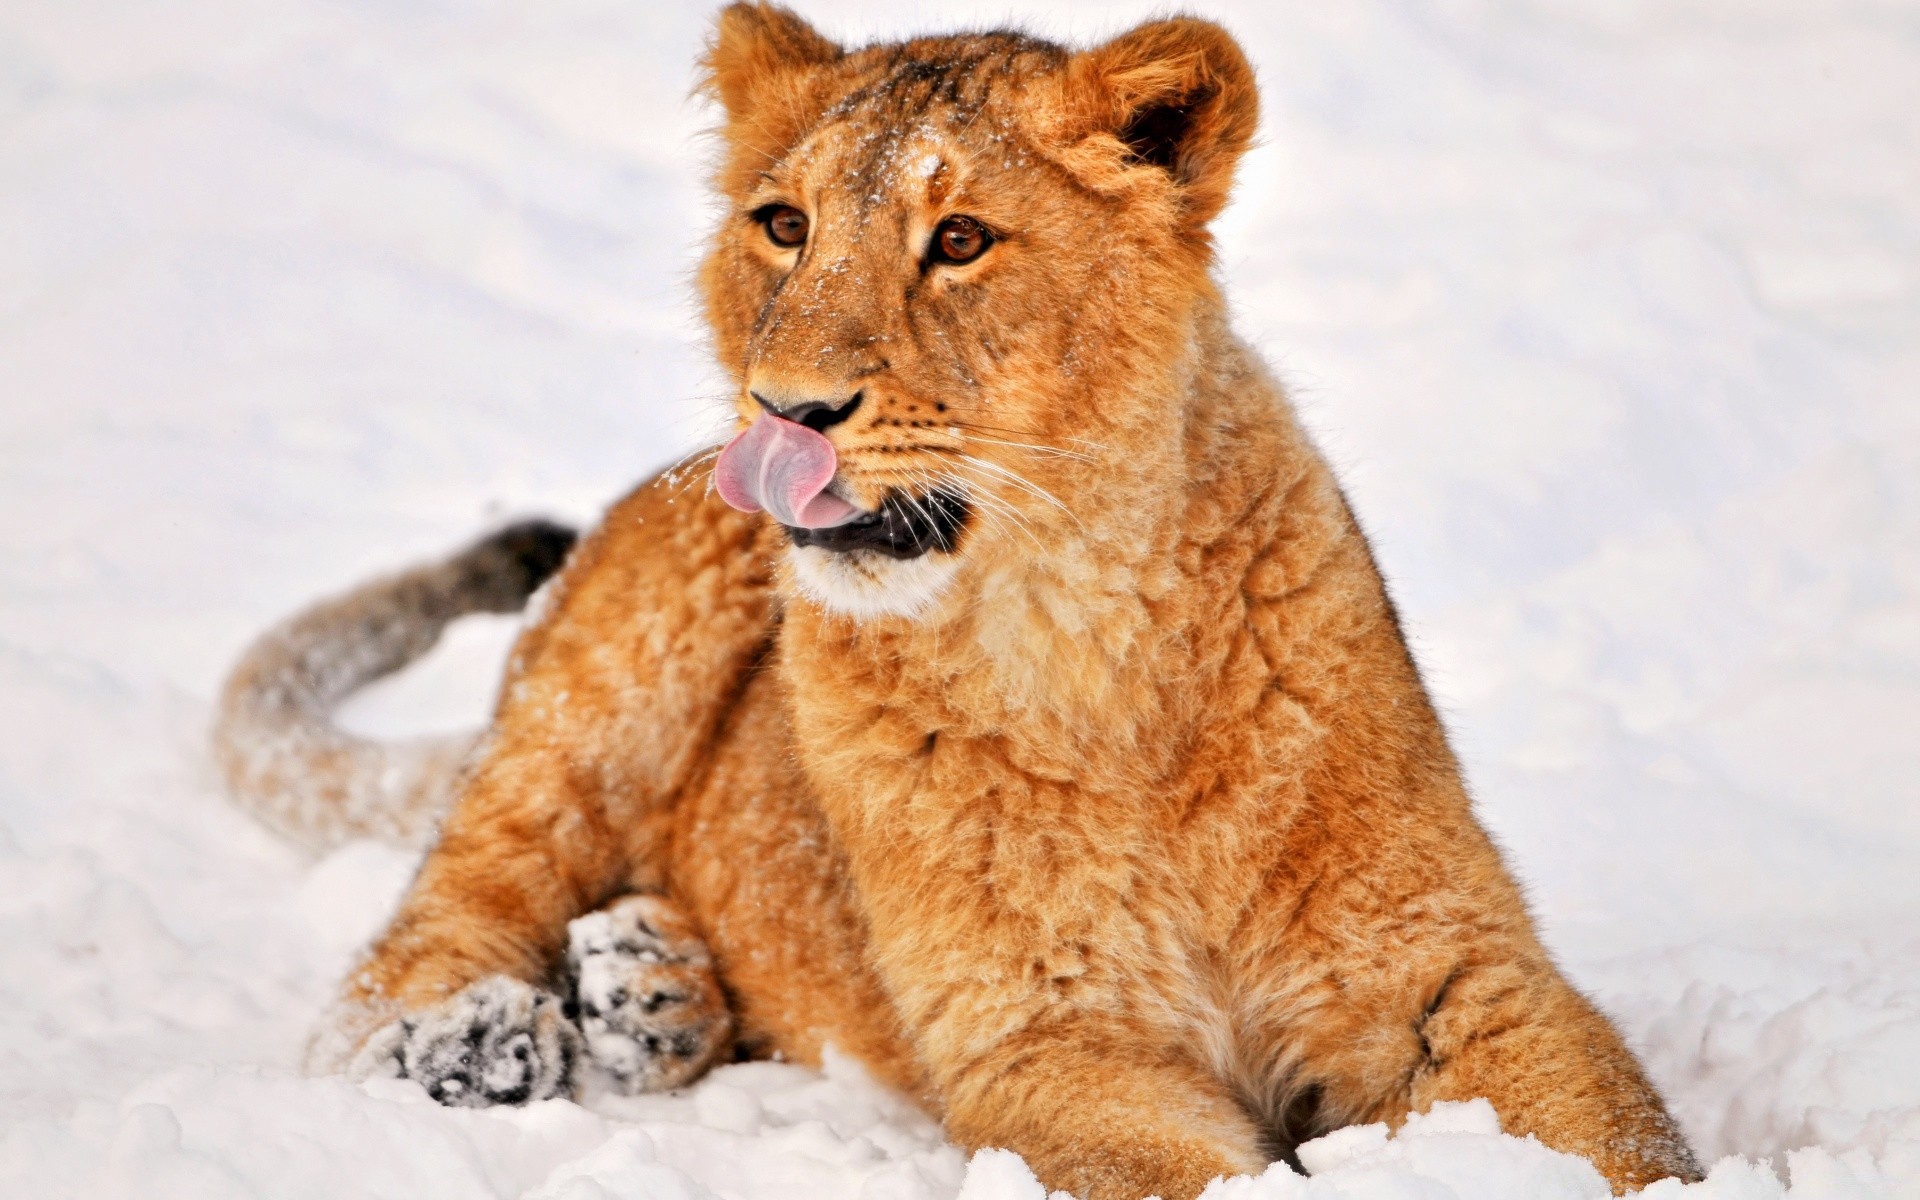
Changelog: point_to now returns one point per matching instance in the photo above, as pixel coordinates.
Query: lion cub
(1020, 710)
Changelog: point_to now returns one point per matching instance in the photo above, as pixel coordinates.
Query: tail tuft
(498, 572)
(292, 767)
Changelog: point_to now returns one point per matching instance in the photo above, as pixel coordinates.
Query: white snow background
(1609, 312)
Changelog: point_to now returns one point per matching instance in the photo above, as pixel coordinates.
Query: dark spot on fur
(498, 572)
(1155, 133)
(519, 1094)
(1428, 1061)
(686, 1045)
(1300, 1121)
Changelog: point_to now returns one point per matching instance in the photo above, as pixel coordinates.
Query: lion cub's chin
(864, 584)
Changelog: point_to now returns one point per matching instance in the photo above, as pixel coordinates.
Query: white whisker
(1054, 451)
(1016, 479)
(993, 508)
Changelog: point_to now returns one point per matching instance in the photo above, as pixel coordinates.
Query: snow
(1606, 311)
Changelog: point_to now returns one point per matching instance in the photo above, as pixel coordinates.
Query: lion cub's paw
(498, 1041)
(649, 1004)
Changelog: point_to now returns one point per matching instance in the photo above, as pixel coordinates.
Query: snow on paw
(650, 1006)
(498, 1041)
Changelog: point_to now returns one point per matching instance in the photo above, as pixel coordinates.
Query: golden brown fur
(1124, 836)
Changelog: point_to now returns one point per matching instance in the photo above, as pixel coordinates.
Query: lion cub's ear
(1178, 95)
(759, 66)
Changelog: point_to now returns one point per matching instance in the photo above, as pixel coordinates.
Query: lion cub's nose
(817, 415)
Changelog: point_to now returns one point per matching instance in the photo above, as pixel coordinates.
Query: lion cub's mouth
(903, 527)
(786, 470)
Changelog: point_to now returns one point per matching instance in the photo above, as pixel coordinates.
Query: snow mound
(747, 1130)
(1457, 1152)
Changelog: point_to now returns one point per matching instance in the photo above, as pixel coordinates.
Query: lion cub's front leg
(1104, 1108)
(498, 1041)
(640, 985)
(648, 1000)
(613, 702)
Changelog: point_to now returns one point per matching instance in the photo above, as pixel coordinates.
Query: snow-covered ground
(1609, 312)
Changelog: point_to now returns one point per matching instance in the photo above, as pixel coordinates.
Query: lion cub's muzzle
(786, 468)
(904, 527)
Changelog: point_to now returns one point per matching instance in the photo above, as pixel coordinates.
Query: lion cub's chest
(1072, 838)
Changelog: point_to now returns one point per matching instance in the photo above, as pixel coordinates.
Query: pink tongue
(784, 468)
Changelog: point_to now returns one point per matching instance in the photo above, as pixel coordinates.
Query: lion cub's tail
(284, 759)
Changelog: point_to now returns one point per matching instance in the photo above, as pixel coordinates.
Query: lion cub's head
(957, 286)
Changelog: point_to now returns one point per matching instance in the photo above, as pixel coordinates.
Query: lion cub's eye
(960, 240)
(785, 224)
